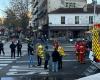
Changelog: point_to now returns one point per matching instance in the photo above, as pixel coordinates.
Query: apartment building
(41, 8)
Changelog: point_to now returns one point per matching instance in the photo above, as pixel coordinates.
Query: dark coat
(55, 56)
(46, 55)
(1, 45)
(19, 46)
(30, 49)
(12, 46)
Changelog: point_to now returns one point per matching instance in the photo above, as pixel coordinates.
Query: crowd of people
(13, 47)
(45, 57)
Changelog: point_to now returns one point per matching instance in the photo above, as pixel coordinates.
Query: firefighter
(40, 54)
(61, 54)
(82, 50)
(77, 49)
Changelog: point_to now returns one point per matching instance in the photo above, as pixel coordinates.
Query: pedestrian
(61, 54)
(46, 57)
(77, 44)
(55, 58)
(13, 48)
(28, 47)
(2, 48)
(31, 55)
(40, 53)
(19, 47)
(82, 51)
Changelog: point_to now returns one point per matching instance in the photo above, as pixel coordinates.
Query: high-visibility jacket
(40, 51)
(61, 51)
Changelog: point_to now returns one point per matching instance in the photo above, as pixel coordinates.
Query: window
(70, 5)
(62, 19)
(90, 19)
(67, 5)
(76, 19)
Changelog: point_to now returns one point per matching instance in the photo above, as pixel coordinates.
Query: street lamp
(94, 2)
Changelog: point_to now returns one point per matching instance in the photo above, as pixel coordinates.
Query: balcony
(35, 10)
(35, 3)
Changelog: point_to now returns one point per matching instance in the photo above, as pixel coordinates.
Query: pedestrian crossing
(25, 70)
(5, 61)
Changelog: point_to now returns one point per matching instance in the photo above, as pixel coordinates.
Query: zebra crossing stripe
(1, 62)
(44, 73)
(7, 59)
(26, 67)
(2, 65)
(25, 70)
(18, 74)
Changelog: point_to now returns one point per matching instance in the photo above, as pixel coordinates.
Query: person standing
(61, 54)
(19, 47)
(82, 50)
(2, 48)
(31, 54)
(77, 45)
(55, 59)
(46, 57)
(13, 48)
(40, 54)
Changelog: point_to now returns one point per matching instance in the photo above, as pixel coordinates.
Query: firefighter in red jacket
(82, 50)
(77, 49)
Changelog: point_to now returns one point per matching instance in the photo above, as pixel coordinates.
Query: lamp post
(94, 5)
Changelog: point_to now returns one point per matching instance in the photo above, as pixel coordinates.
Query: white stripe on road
(1, 62)
(25, 70)
(44, 73)
(2, 65)
(18, 74)
(26, 67)
(7, 59)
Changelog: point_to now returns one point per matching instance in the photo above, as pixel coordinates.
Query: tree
(17, 15)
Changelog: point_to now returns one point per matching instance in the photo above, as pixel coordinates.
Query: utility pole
(94, 2)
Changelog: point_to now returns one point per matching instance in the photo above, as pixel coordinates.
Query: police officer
(19, 47)
(12, 47)
(1, 48)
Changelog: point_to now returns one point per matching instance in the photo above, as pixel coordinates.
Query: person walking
(55, 58)
(46, 57)
(13, 48)
(2, 48)
(19, 47)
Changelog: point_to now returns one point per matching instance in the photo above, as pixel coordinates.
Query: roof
(90, 9)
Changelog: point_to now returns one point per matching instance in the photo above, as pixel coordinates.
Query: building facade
(41, 8)
(71, 23)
